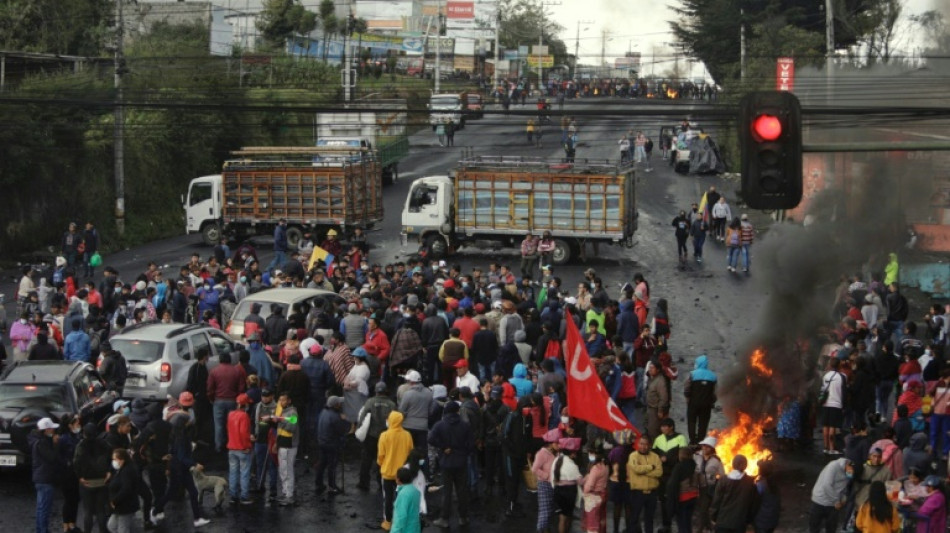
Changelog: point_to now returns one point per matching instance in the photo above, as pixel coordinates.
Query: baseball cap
(462, 363)
(186, 399)
(380, 387)
(413, 376)
(46, 423)
(267, 392)
(244, 399)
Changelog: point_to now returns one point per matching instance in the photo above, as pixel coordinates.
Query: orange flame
(757, 362)
(744, 438)
(670, 93)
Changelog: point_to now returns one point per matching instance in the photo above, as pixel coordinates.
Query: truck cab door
(424, 207)
(201, 205)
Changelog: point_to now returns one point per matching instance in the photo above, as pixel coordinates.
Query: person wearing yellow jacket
(394, 446)
(644, 470)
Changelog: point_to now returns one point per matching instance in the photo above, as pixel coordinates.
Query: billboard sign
(785, 74)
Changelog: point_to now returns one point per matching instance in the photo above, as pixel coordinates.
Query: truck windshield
(199, 193)
(451, 102)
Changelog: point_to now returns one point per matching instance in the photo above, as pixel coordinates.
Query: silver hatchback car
(160, 355)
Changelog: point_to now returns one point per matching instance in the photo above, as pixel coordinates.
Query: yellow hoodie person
(394, 446)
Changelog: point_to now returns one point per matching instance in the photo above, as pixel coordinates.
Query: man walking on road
(746, 236)
(225, 383)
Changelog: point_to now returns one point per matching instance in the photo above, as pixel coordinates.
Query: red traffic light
(767, 127)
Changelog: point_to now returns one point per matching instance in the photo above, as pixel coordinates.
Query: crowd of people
(451, 388)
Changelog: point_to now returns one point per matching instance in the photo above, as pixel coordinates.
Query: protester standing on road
(407, 507)
(331, 435)
(829, 495)
(123, 492)
(450, 133)
(657, 399)
(179, 476)
(239, 452)
(394, 446)
(280, 246)
(700, 392)
(697, 230)
(46, 466)
(624, 144)
(225, 383)
(733, 240)
(747, 235)
(640, 153)
(90, 239)
(454, 440)
(681, 231)
(721, 214)
(415, 405)
(72, 240)
(644, 470)
(288, 439)
(736, 500)
(541, 468)
(265, 459)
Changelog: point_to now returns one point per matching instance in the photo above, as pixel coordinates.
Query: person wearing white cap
(710, 468)
(46, 468)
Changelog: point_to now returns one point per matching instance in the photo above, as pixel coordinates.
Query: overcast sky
(630, 26)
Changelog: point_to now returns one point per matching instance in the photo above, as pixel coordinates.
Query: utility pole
(577, 44)
(541, 44)
(603, 47)
(438, 48)
(497, 48)
(742, 44)
(119, 124)
(829, 46)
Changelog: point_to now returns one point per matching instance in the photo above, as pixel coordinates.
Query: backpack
(734, 238)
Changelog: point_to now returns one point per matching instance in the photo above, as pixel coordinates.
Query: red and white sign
(785, 74)
(460, 10)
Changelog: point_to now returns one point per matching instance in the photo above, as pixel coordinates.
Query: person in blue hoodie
(522, 384)
(76, 347)
(700, 391)
(261, 361)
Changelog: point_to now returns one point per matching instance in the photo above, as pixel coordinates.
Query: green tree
(281, 20)
(331, 25)
(520, 24)
(73, 27)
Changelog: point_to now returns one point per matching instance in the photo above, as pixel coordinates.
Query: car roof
(156, 331)
(43, 371)
(287, 295)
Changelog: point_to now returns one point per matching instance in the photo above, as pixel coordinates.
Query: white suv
(160, 355)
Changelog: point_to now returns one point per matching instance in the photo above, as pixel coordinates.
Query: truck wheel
(294, 237)
(211, 233)
(436, 247)
(388, 176)
(562, 252)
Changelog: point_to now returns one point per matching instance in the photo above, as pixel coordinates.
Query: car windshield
(51, 397)
(136, 351)
(445, 103)
(244, 309)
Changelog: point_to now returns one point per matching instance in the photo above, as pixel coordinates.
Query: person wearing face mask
(123, 496)
(828, 495)
(21, 335)
(594, 486)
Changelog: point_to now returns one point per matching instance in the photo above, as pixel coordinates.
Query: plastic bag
(95, 260)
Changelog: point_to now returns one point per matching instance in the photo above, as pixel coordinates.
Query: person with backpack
(377, 409)
(834, 390)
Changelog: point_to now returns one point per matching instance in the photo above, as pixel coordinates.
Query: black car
(31, 390)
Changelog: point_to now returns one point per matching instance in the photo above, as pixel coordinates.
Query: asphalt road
(711, 310)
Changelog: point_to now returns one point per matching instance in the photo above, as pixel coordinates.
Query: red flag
(587, 397)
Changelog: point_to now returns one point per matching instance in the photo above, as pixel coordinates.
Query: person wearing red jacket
(376, 343)
(240, 442)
